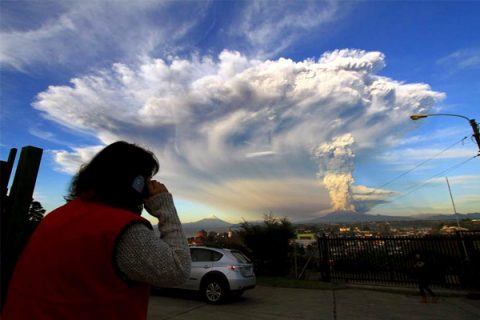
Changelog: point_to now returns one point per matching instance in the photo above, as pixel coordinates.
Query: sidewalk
(441, 292)
(372, 304)
(344, 304)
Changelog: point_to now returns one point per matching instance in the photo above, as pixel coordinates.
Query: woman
(96, 257)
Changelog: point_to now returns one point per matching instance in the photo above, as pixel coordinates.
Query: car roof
(207, 247)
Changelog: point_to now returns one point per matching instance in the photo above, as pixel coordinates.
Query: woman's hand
(156, 206)
(155, 187)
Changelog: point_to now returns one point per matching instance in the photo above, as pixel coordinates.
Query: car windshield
(241, 257)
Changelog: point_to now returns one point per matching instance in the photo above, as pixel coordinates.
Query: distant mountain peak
(211, 220)
(212, 223)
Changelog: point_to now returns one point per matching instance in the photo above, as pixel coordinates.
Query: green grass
(285, 282)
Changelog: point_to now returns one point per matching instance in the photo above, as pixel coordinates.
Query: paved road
(284, 303)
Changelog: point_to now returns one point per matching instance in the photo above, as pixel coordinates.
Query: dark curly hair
(108, 178)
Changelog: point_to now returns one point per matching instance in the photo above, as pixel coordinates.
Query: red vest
(67, 270)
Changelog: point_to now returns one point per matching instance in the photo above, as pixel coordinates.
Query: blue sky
(295, 108)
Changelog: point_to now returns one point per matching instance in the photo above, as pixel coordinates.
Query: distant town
(209, 229)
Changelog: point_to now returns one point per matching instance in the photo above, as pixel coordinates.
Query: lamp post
(473, 123)
(476, 136)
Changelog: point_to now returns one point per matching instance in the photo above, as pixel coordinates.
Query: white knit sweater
(144, 256)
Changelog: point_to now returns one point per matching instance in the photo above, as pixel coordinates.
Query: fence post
(324, 257)
(5, 172)
(16, 212)
(471, 277)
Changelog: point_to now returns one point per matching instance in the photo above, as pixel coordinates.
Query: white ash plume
(336, 164)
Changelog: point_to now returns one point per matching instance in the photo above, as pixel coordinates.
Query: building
(452, 229)
(305, 239)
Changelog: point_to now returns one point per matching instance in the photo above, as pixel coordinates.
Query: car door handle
(206, 267)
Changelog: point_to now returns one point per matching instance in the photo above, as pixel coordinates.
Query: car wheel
(214, 290)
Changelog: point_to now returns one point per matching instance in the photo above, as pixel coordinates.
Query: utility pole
(467, 258)
(453, 203)
(476, 133)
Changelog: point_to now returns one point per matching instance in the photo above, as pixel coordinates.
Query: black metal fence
(453, 259)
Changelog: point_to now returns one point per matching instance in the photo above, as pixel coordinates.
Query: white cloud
(365, 193)
(47, 135)
(461, 59)
(410, 154)
(447, 134)
(88, 33)
(269, 27)
(70, 162)
(202, 116)
(457, 180)
(259, 154)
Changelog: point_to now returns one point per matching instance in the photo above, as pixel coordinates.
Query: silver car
(217, 273)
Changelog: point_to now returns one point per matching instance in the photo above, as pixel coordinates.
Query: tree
(35, 214)
(36, 211)
(229, 240)
(268, 244)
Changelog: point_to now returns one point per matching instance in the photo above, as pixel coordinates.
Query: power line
(417, 166)
(418, 186)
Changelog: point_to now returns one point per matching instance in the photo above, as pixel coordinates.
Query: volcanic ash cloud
(336, 164)
(240, 134)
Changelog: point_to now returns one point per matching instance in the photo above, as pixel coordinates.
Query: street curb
(441, 292)
(414, 291)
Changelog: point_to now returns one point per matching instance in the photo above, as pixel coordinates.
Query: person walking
(423, 276)
(96, 257)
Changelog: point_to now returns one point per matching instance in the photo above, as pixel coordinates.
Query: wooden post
(5, 172)
(295, 258)
(15, 216)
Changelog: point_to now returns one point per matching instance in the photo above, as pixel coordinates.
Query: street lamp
(476, 135)
(473, 123)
